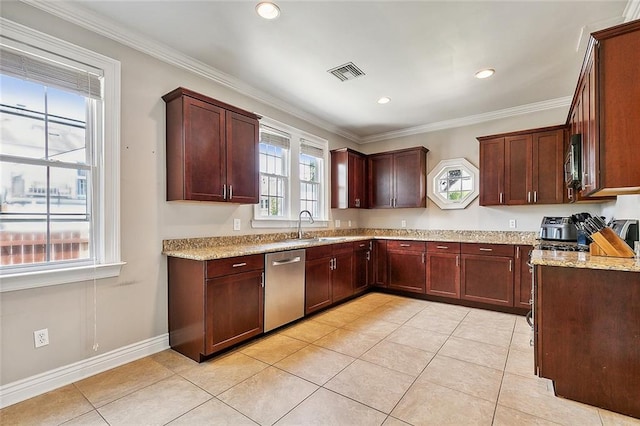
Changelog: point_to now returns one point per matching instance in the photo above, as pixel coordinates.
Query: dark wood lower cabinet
(587, 328)
(214, 304)
(380, 263)
(234, 310)
(362, 265)
(487, 273)
(317, 284)
(523, 278)
(328, 275)
(443, 269)
(406, 266)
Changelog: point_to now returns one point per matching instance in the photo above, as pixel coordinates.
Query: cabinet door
(242, 177)
(361, 262)
(234, 309)
(317, 284)
(517, 170)
(381, 181)
(342, 276)
(492, 172)
(380, 263)
(522, 284)
(409, 170)
(548, 160)
(443, 275)
(356, 180)
(590, 138)
(487, 279)
(204, 156)
(406, 270)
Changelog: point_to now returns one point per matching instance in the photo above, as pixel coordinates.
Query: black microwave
(573, 162)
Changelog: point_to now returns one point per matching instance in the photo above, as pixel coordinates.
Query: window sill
(27, 280)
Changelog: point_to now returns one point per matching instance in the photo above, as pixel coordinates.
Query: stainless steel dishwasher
(283, 288)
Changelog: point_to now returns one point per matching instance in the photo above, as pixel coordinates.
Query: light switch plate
(236, 224)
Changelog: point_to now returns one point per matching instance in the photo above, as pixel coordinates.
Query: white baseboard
(20, 390)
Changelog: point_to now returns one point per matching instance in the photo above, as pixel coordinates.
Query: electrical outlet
(337, 223)
(512, 224)
(403, 223)
(236, 224)
(349, 224)
(41, 337)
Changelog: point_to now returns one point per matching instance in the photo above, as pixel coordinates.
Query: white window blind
(83, 81)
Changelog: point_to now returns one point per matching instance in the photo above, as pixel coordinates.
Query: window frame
(444, 167)
(108, 262)
(297, 137)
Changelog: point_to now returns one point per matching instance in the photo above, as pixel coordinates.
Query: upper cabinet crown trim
(181, 91)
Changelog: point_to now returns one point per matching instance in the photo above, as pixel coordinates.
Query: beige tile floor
(379, 359)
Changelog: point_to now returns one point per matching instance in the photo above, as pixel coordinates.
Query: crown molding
(632, 11)
(472, 119)
(106, 28)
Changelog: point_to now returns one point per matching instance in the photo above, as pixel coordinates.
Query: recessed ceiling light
(384, 100)
(488, 72)
(268, 10)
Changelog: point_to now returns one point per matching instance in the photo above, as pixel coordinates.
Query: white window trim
(108, 232)
(432, 190)
(293, 206)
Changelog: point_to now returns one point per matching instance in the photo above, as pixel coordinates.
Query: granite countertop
(570, 259)
(224, 247)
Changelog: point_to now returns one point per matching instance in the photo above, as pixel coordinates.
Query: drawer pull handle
(405, 245)
(285, 261)
(239, 265)
(442, 247)
(362, 245)
(485, 249)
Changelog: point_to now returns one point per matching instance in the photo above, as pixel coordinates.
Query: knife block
(607, 243)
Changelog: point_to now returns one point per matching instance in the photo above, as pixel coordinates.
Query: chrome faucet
(300, 222)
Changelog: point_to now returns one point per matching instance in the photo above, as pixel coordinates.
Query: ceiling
(421, 54)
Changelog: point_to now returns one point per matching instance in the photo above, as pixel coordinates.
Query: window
(274, 158)
(283, 193)
(454, 184)
(59, 153)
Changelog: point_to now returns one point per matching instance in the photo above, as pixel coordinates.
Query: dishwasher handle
(286, 261)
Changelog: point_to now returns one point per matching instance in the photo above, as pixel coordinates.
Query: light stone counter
(223, 247)
(570, 259)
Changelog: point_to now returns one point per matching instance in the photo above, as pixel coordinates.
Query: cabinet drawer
(319, 252)
(362, 245)
(487, 249)
(407, 245)
(234, 265)
(341, 248)
(442, 247)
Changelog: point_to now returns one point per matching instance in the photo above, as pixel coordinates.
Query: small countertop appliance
(558, 228)
(627, 229)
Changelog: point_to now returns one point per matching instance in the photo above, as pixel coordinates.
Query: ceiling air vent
(346, 72)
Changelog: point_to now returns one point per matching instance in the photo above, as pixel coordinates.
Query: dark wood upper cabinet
(212, 150)
(524, 167)
(398, 178)
(348, 179)
(605, 112)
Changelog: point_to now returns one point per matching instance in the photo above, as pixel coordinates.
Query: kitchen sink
(315, 240)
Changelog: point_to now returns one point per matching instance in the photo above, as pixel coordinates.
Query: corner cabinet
(212, 150)
(604, 111)
(522, 167)
(398, 178)
(214, 304)
(348, 179)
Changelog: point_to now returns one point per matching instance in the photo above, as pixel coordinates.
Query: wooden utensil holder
(607, 243)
